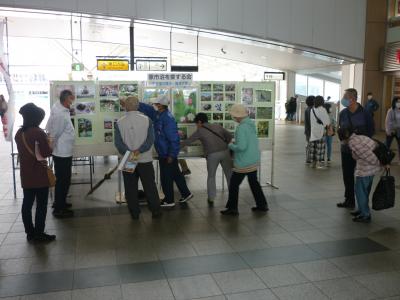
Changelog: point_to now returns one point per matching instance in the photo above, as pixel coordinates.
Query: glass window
(332, 89)
(301, 85)
(315, 86)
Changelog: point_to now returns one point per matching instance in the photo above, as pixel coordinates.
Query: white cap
(238, 111)
(161, 99)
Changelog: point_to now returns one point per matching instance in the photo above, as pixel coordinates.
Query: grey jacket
(213, 137)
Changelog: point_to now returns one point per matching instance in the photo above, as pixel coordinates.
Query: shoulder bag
(50, 175)
(221, 137)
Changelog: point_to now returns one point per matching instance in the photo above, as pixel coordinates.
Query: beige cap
(161, 99)
(238, 111)
(130, 103)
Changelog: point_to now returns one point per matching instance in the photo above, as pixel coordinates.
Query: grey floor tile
(221, 297)
(281, 275)
(94, 277)
(65, 295)
(295, 225)
(346, 247)
(99, 293)
(151, 290)
(210, 247)
(319, 270)
(247, 243)
(176, 251)
(344, 289)
(281, 240)
(238, 281)
(35, 283)
(385, 284)
(136, 254)
(15, 266)
(203, 265)
(279, 255)
(303, 291)
(95, 259)
(141, 272)
(312, 236)
(253, 295)
(194, 287)
(53, 263)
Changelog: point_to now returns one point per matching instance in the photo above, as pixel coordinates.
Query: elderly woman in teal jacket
(246, 161)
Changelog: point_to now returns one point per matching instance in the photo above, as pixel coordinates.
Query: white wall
(336, 26)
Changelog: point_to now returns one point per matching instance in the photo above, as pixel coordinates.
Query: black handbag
(384, 193)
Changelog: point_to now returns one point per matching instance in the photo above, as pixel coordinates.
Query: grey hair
(352, 92)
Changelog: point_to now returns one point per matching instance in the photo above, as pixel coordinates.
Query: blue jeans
(329, 146)
(363, 188)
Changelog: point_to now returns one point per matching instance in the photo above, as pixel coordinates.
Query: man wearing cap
(134, 132)
(62, 138)
(167, 144)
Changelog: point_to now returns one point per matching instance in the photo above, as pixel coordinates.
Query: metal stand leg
(13, 168)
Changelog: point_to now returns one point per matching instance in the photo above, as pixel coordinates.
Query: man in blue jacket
(167, 144)
(355, 118)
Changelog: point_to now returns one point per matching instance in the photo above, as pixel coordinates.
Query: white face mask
(398, 105)
(369, 97)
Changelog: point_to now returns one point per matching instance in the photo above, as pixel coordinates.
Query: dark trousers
(41, 196)
(145, 172)
(62, 167)
(236, 180)
(389, 140)
(169, 172)
(348, 166)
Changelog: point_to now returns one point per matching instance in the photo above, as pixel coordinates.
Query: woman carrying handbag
(32, 144)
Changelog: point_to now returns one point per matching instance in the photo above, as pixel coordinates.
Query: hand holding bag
(50, 175)
(384, 194)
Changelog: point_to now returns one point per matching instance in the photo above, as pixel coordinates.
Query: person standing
(358, 121)
(371, 105)
(134, 132)
(307, 127)
(329, 132)
(30, 140)
(215, 140)
(62, 137)
(362, 149)
(246, 161)
(167, 144)
(392, 124)
(319, 120)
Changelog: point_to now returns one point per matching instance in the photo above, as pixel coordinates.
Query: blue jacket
(167, 141)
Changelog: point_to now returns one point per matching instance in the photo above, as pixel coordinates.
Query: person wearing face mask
(61, 134)
(371, 104)
(392, 124)
(357, 120)
(167, 144)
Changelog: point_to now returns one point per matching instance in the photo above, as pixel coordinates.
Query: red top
(33, 173)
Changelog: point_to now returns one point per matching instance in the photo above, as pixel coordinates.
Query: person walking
(215, 140)
(367, 165)
(32, 143)
(330, 131)
(371, 105)
(134, 133)
(319, 119)
(62, 137)
(392, 124)
(246, 161)
(167, 144)
(358, 121)
(307, 127)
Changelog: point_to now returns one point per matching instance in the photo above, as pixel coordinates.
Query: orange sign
(113, 65)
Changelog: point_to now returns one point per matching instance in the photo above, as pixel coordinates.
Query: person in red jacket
(32, 146)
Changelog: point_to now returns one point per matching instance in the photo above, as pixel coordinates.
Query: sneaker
(355, 213)
(261, 209)
(345, 204)
(362, 219)
(167, 204)
(65, 213)
(320, 166)
(187, 198)
(186, 172)
(44, 237)
(229, 212)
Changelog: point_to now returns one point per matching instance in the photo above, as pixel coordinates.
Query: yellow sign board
(113, 65)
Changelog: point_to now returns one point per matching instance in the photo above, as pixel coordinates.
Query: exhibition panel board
(97, 108)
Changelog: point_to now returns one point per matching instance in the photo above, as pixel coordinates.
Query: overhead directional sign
(151, 65)
(112, 64)
(274, 75)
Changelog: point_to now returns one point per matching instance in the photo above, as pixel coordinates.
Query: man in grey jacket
(215, 140)
(134, 133)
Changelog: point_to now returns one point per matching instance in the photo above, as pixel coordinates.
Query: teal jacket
(246, 149)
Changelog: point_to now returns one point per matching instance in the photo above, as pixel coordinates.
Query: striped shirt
(362, 149)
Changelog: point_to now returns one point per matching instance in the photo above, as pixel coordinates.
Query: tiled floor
(303, 248)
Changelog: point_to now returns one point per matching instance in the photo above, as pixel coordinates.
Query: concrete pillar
(352, 77)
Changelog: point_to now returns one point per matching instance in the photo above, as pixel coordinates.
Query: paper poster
(263, 96)
(218, 87)
(247, 96)
(84, 90)
(205, 87)
(108, 123)
(230, 97)
(218, 97)
(109, 105)
(85, 108)
(206, 107)
(85, 128)
(184, 107)
(252, 112)
(126, 90)
(263, 129)
(108, 137)
(218, 107)
(109, 90)
(149, 94)
(205, 96)
(218, 117)
(264, 112)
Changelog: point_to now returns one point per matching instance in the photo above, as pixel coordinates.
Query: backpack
(383, 153)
